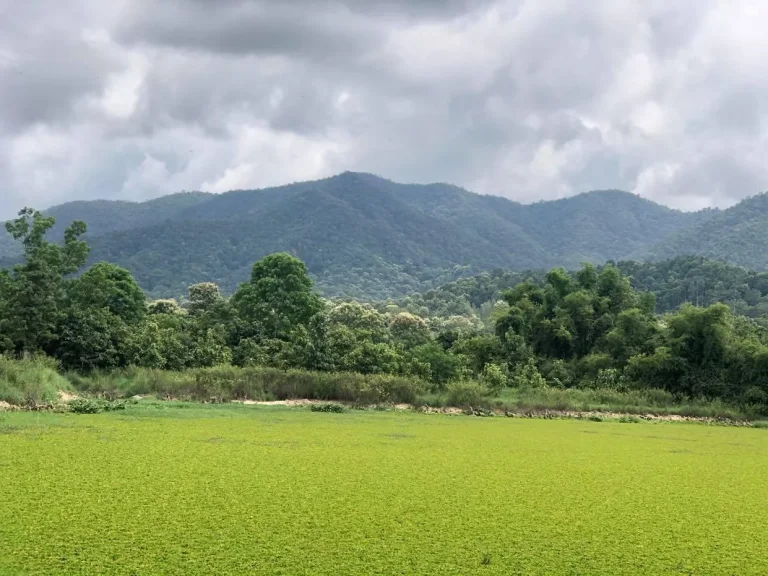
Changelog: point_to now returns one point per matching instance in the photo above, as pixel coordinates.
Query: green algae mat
(254, 490)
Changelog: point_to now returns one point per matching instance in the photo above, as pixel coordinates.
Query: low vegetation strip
(35, 383)
(232, 489)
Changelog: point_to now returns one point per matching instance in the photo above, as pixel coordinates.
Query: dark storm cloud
(529, 99)
(285, 28)
(45, 68)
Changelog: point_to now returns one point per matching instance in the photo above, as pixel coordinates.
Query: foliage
(94, 405)
(327, 407)
(467, 393)
(278, 298)
(528, 376)
(494, 377)
(34, 290)
(226, 383)
(30, 381)
(203, 298)
(701, 282)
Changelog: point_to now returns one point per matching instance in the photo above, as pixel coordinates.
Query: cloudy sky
(529, 99)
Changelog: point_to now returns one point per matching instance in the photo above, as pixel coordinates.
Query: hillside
(109, 216)
(738, 235)
(364, 236)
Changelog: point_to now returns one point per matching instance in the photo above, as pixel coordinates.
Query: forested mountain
(738, 235)
(108, 216)
(364, 236)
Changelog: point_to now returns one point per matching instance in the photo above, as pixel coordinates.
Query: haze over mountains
(368, 237)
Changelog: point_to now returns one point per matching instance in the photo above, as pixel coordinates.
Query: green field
(190, 489)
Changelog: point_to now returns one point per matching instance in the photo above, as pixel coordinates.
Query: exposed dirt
(279, 402)
(5, 406)
(595, 415)
(65, 396)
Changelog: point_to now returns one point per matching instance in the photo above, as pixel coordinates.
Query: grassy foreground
(182, 489)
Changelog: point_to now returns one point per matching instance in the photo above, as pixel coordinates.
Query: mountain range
(367, 237)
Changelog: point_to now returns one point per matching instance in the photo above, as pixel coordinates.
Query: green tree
(168, 306)
(408, 330)
(90, 339)
(203, 297)
(108, 286)
(634, 333)
(35, 289)
(362, 319)
(277, 299)
(443, 366)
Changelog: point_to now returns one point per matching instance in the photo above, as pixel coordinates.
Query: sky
(527, 99)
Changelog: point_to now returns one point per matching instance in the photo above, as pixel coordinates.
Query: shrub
(558, 373)
(528, 376)
(467, 393)
(83, 406)
(629, 419)
(30, 381)
(608, 378)
(494, 377)
(328, 407)
(226, 383)
(94, 406)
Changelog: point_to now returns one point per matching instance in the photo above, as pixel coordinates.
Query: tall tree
(203, 297)
(35, 291)
(278, 298)
(109, 286)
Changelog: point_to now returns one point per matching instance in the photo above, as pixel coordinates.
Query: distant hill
(108, 216)
(364, 236)
(738, 235)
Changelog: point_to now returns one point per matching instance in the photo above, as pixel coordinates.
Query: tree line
(586, 329)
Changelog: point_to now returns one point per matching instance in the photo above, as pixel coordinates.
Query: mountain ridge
(365, 236)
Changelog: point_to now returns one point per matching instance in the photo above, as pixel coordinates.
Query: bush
(494, 377)
(83, 406)
(629, 419)
(467, 393)
(94, 406)
(226, 383)
(528, 376)
(328, 407)
(31, 381)
(608, 378)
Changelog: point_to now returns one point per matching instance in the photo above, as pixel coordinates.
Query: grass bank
(31, 382)
(36, 381)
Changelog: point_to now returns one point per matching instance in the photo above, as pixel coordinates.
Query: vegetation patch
(328, 407)
(94, 405)
(230, 489)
